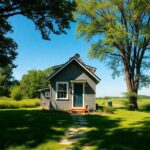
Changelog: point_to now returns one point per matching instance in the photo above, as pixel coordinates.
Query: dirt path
(76, 132)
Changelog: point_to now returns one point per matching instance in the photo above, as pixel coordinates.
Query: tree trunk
(133, 103)
(132, 87)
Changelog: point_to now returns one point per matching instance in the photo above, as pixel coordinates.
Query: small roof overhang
(43, 89)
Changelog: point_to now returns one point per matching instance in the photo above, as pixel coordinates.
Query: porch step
(77, 110)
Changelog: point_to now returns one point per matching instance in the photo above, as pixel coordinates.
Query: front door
(78, 95)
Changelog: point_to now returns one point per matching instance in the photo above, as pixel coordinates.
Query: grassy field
(25, 129)
(8, 103)
(144, 104)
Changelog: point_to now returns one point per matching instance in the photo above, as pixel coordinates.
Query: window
(47, 94)
(62, 90)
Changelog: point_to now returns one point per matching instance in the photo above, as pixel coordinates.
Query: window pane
(62, 90)
(59, 96)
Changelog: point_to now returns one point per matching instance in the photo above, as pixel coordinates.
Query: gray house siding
(43, 93)
(43, 96)
(73, 72)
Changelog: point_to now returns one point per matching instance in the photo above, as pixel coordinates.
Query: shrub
(7, 104)
(108, 109)
(144, 105)
(4, 98)
(126, 104)
(16, 93)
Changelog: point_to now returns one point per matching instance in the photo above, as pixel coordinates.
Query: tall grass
(143, 104)
(12, 104)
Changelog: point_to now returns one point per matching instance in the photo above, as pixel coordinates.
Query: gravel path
(76, 132)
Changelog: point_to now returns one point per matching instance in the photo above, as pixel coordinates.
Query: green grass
(123, 130)
(26, 103)
(28, 128)
(144, 104)
(32, 129)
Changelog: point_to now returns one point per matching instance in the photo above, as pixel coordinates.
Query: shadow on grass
(106, 134)
(31, 127)
(35, 127)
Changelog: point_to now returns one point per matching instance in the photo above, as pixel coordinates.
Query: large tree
(7, 45)
(33, 81)
(120, 33)
(6, 80)
(48, 16)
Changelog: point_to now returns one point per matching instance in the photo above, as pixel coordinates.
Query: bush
(4, 98)
(7, 104)
(108, 109)
(16, 93)
(103, 108)
(126, 104)
(144, 105)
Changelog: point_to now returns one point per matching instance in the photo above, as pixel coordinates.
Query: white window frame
(47, 94)
(57, 83)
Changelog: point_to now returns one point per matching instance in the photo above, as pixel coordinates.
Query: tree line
(27, 87)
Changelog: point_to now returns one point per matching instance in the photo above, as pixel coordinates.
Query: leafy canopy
(8, 46)
(6, 80)
(49, 16)
(33, 81)
(119, 32)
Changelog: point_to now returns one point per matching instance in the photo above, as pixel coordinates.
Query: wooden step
(77, 110)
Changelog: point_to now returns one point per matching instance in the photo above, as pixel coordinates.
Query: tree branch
(113, 54)
(12, 14)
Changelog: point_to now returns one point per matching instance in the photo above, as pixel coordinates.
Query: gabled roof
(59, 66)
(74, 58)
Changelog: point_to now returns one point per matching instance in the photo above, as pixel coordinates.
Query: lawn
(123, 130)
(32, 129)
(23, 129)
(8, 103)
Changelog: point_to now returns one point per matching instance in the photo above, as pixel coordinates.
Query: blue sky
(36, 53)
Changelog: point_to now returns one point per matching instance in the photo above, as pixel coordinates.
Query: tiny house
(72, 86)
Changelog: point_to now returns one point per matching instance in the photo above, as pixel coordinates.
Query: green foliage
(4, 98)
(102, 106)
(49, 16)
(7, 45)
(143, 103)
(119, 33)
(6, 80)
(16, 93)
(108, 109)
(129, 95)
(12, 104)
(33, 81)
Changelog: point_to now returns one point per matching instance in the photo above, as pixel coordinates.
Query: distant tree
(120, 34)
(16, 93)
(33, 81)
(6, 80)
(48, 16)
